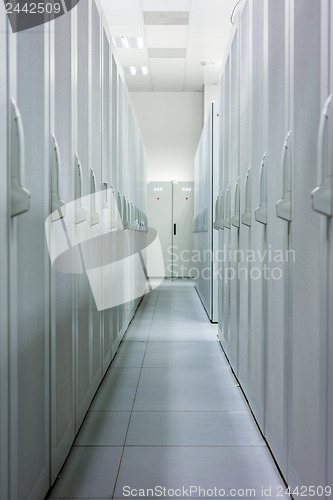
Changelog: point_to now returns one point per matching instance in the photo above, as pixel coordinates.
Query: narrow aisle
(169, 414)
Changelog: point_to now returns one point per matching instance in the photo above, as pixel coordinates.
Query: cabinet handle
(235, 220)
(19, 195)
(174, 229)
(261, 211)
(226, 220)
(217, 210)
(220, 219)
(322, 194)
(283, 206)
(246, 215)
(94, 215)
(80, 212)
(57, 205)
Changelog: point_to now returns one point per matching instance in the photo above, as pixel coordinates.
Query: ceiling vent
(167, 53)
(166, 18)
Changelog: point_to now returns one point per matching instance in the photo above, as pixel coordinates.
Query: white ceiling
(204, 38)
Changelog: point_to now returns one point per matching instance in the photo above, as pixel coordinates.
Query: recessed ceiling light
(136, 70)
(124, 42)
(167, 17)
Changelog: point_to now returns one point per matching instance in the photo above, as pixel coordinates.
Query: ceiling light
(124, 42)
(136, 70)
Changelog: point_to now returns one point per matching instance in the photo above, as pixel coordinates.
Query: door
(276, 376)
(182, 234)
(28, 122)
(307, 412)
(61, 284)
(3, 262)
(159, 211)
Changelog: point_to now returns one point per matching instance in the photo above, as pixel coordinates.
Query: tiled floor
(169, 413)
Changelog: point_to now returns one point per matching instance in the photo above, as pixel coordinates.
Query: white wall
(171, 124)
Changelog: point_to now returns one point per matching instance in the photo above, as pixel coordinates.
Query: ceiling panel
(225, 6)
(166, 36)
(141, 83)
(133, 57)
(167, 74)
(208, 18)
(174, 5)
(209, 54)
(167, 18)
(121, 5)
(127, 30)
(131, 17)
(207, 42)
(177, 53)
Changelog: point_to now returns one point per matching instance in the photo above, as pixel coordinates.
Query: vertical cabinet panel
(182, 239)
(256, 367)
(232, 274)
(307, 411)
(83, 371)
(159, 210)
(62, 284)
(96, 165)
(29, 270)
(225, 99)
(277, 237)
(4, 338)
(244, 163)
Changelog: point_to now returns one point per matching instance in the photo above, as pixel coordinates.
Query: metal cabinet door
(307, 349)
(256, 353)
(225, 137)
(95, 163)
(159, 211)
(244, 231)
(29, 267)
(276, 377)
(84, 388)
(235, 199)
(107, 315)
(61, 284)
(214, 192)
(182, 235)
(4, 338)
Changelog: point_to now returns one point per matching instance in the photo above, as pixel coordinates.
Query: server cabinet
(307, 414)
(225, 138)
(95, 163)
(323, 208)
(329, 467)
(108, 198)
(245, 201)
(28, 122)
(234, 201)
(4, 492)
(276, 375)
(61, 284)
(182, 235)
(81, 165)
(258, 235)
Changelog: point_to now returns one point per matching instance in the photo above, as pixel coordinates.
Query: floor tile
(189, 399)
(128, 360)
(113, 399)
(103, 429)
(88, 473)
(193, 429)
(180, 359)
(183, 347)
(213, 377)
(121, 377)
(176, 467)
(132, 347)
